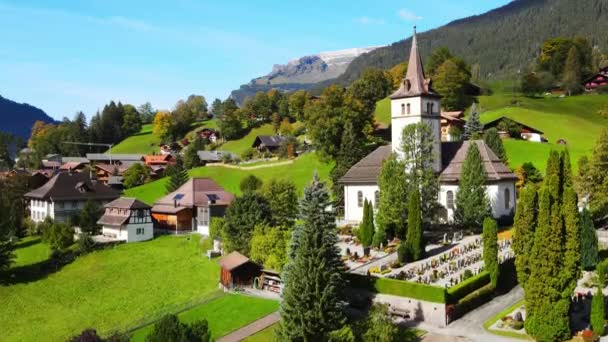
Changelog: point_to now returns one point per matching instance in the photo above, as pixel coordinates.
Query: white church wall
(502, 204)
(352, 210)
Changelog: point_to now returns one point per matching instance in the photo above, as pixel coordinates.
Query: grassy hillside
(301, 172)
(112, 289)
(572, 118)
(146, 142)
(383, 112)
(241, 145)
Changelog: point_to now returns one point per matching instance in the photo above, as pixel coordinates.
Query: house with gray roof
(415, 101)
(65, 195)
(269, 143)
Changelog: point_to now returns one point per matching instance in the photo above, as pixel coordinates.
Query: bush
(401, 288)
(248, 154)
(466, 287)
(517, 325)
(467, 274)
(402, 252)
(473, 300)
(85, 243)
(58, 235)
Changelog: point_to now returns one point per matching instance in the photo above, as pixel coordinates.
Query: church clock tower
(415, 101)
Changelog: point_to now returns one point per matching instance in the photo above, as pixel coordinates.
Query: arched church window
(376, 198)
(409, 108)
(402, 109)
(450, 199)
(507, 199)
(360, 199)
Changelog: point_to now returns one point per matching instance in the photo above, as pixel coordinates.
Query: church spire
(414, 83)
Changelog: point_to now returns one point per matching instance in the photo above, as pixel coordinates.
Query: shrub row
(471, 301)
(400, 288)
(457, 292)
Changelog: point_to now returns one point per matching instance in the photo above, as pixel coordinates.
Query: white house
(415, 101)
(64, 196)
(127, 219)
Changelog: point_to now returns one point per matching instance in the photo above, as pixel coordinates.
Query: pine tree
(490, 249)
(313, 292)
(415, 240)
(598, 310)
(177, 177)
(191, 158)
(589, 243)
(473, 129)
(524, 225)
(472, 204)
(392, 209)
(351, 151)
(598, 177)
(572, 72)
(494, 142)
(366, 231)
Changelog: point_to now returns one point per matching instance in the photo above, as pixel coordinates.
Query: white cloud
(370, 21)
(408, 15)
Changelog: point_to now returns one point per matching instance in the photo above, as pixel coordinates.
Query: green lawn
(263, 335)
(224, 314)
(109, 290)
(30, 250)
(300, 172)
(241, 145)
(146, 142)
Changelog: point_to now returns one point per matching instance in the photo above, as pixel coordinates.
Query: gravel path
(251, 328)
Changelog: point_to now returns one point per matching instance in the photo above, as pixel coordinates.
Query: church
(415, 101)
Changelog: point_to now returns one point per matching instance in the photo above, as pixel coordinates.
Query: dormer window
(408, 85)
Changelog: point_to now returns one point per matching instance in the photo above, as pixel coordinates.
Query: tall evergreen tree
(553, 176)
(598, 177)
(572, 242)
(415, 240)
(191, 158)
(313, 291)
(523, 238)
(490, 249)
(572, 72)
(472, 204)
(351, 151)
(178, 176)
(494, 141)
(392, 209)
(589, 243)
(473, 129)
(245, 213)
(566, 169)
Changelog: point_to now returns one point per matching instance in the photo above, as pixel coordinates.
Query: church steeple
(414, 83)
(415, 101)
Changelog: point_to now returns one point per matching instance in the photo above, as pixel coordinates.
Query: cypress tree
(392, 209)
(414, 243)
(490, 249)
(598, 310)
(571, 269)
(366, 232)
(178, 176)
(552, 176)
(494, 142)
(472, 204)
(523, 238)
(566, 169)
(589, 243)
(314, 281)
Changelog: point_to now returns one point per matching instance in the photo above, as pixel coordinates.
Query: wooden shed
(237, 270)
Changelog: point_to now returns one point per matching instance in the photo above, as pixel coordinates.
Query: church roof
(495, 169)
(367, 170)
(414, 83)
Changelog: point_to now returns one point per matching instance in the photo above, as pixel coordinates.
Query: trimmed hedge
(457, 292)
(400, 288)
(472, 300)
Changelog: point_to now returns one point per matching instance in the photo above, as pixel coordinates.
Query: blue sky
(66, 56)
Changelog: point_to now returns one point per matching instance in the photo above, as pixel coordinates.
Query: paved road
(251, 328)
(470, 327)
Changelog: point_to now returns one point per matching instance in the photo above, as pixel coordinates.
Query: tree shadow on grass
(36, 271)
(24, 244)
